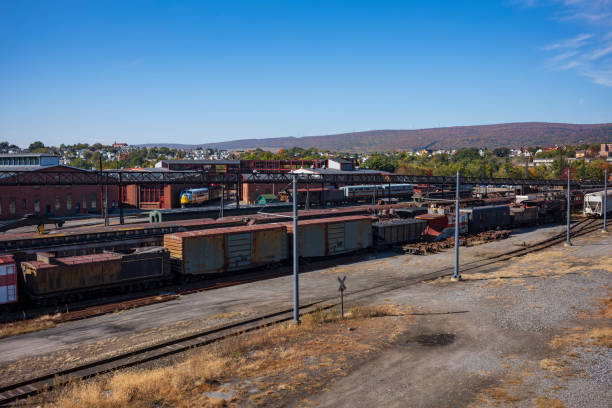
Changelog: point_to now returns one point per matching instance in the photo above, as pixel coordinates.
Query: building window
(36, 204)
(57, 203)
(68, 202)
(151, 194)
(84, 201)
(12, 206)
(24, 204)
(94, 202)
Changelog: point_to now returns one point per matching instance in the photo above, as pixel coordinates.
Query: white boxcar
(594, 202)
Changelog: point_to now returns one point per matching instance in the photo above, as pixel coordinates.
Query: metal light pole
(296, 292)
(605, 200)
(222, 200)
(567, 241)
(456, 275)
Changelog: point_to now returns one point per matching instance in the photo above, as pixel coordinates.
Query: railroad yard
(482, 326)
(202, 307)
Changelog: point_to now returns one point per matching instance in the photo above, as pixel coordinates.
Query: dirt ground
(536, 332)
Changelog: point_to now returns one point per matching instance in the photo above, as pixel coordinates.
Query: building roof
(28, 155)
(335, 171)
(340, 160)
(182, 161)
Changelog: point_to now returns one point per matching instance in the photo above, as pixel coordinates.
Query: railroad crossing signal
(342, 288)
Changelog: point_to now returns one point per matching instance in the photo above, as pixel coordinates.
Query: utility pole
(456, 275)
(567, 233)
(296, 299)
(222, 199)
(605, 200)
(121, 221)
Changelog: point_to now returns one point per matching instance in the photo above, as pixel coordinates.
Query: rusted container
(226, 249)
(49, 276)
(398, 231)
(70, 274)
(487, 218)
(331, 236)
(524, 216)
(8, 280)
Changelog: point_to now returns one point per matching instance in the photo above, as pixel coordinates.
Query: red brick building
(67, 200)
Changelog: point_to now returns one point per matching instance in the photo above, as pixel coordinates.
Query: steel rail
(12, 392)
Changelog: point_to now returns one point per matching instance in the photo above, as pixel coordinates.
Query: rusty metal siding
(312, 240)
(69, 277)
(357, 234)
(270, 246)
(398, 231)
(203, 255)
(239, 250)
(145, 263)
(335, 238)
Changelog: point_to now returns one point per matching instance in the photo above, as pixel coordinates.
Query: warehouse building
(67, 200)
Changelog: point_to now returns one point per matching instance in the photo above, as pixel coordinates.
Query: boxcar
(332, 236)
(226, 249)
(486, 218)
(55, 277)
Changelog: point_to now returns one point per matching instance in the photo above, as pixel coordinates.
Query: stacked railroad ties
(206, 247)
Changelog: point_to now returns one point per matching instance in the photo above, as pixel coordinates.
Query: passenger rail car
(362, 191)
(199, 196)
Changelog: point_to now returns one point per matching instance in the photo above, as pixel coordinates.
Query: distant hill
(490, 136)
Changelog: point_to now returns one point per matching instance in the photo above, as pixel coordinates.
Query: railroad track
(20, 390)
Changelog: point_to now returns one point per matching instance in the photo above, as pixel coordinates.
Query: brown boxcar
(49, 276)
(226, 249)
(331, 236)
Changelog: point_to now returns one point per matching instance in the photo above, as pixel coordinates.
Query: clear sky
(206, 71)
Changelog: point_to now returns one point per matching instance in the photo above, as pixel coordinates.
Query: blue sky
(207, 71)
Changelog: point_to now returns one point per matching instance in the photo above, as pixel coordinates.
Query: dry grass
(27, 326)
(545, 402)
(276, 361)
(556, 367)
(601, 337)
(549, 263)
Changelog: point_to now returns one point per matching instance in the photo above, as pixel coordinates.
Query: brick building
(17, 201)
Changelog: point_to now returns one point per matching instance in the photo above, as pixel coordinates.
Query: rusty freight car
(332, 236)
(226, 249)
(75, 276)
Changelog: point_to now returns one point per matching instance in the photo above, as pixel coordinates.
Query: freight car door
(239, 250)
(335, 238)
